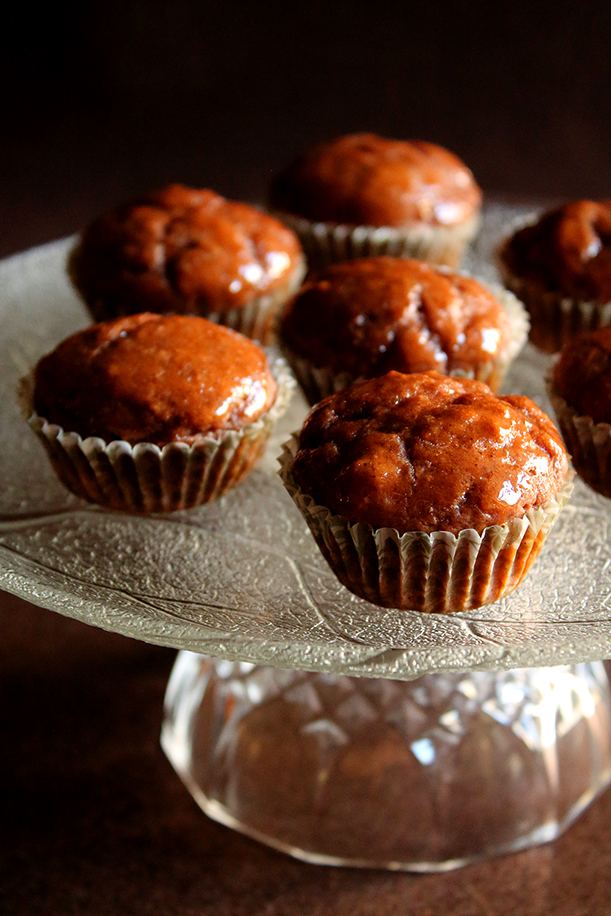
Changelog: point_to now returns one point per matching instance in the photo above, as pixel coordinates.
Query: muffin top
(153, 378)
(366, 180)
(183, 250)
(372, 315)
(567, 251)
(426, 452)
(583, 374)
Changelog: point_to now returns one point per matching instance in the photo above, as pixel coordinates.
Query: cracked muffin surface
(425, 452)
(154, 378)
(372, 315)
(182, 250)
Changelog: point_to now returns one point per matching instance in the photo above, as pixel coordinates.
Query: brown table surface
(95, 821)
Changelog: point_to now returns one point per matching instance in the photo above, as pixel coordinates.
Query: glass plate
(242, 578)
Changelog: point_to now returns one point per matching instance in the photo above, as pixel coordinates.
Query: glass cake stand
(296, 712)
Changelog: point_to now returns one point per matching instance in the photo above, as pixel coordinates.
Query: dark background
(107, 99)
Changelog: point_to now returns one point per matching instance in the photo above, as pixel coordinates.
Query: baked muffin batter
(424, 452)
(364, 179)
(567, 251)
(153, 378)
(371, 315)
(183, 250)
(583, 374)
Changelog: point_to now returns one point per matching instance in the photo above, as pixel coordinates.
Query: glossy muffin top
(183, 250)
(153, 378)
(368, 316)
(366, 180)
(425, 452)
(583, 374)
(567, 251)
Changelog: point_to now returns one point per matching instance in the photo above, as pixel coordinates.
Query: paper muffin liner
(317, 382)
(255, 319)
(328, 243)
(588, 443)
(431, 573)
(555, 319)
(145, 478)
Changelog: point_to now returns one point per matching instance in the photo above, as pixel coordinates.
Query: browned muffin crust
(583, 374)
(369, 316)
(183, 250)
(153, 378)
(366, 180)
(426, 452)
(567, 251)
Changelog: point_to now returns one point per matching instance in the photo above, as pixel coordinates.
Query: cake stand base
(422, 775)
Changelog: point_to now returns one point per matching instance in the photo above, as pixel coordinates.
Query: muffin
(190, 252)
(364, 195)
(425, 492)
(151, 413)
(560, 267)
(360, 319)
(579, 386)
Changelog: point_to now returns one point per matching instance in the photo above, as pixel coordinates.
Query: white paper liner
(327, 243)
(430, 573)
(255, 319)
(588, 443)
(145, 478)
(555, 319)
(318, 381)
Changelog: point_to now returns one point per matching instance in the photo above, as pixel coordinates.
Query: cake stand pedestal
(422, 775)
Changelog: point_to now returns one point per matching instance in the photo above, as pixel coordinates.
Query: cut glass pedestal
(422, 775)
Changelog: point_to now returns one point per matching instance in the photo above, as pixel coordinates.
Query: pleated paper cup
(555, 319)
(317, 382)
(328, 243)
(255, 319)
(588, 443)
(431, 573)
(145, 478)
